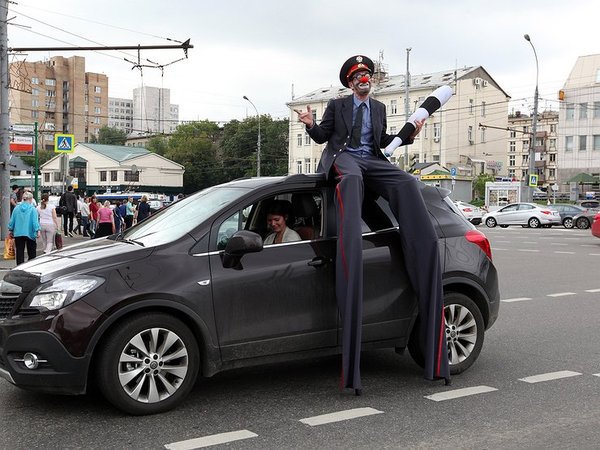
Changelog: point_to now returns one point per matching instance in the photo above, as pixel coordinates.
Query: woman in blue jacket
(24, 226)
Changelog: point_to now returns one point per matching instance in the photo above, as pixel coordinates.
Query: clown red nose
(364, 79)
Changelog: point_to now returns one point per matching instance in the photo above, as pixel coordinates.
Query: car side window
(376, 214)
(525, 207)
(237, 221)
(510, 208)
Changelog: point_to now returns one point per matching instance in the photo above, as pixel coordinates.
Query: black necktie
(357, 127)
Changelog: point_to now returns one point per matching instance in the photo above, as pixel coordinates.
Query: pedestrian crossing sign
(533, 180)
(64, 143)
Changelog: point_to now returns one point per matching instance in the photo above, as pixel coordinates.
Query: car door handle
(319, 261)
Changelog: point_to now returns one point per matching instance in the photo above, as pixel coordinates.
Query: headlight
(62, 291)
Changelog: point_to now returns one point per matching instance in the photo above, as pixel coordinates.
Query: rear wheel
(490, 222)
(568, 222)
(148, 364)
(582, 223)
(464, 333)
(534, 222)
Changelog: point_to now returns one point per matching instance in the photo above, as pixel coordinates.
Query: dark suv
(193, 290)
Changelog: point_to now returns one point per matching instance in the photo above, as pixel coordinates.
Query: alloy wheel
(461, 332)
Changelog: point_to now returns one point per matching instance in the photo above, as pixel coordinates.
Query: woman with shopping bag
(24, 226)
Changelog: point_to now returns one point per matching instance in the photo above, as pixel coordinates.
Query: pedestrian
(94, 206)
(68, 201)
(24, 227)
(84, 209)
(118, 218)
(143, 209)
(354, 128)
(106, 221)
(49, 223)
(14, 197)
(129, 213)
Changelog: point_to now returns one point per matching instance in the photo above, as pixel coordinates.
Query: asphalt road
(536, 383)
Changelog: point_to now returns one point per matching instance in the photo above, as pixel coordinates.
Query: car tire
(582, 223)
(534, 222)
(148, 364)
(568, 222)
(490, 222)
(464, 333)
(503, 226)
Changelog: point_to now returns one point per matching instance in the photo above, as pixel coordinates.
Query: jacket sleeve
(320, 133)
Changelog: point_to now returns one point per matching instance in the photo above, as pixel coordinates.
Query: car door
(526, 212)
(281, 300)
(508, 215)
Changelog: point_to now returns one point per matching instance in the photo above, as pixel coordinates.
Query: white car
(472, 213)
(525, 214)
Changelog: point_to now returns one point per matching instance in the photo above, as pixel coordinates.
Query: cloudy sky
(267, 49)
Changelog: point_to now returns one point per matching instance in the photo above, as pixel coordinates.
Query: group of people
(85, 216)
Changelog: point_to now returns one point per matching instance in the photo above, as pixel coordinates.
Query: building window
(470, 134)
(471, 106)
(35, 91)
(97, 110)
(113, 175)
(570, 112)
(552, 128)
(424, 131)
(131, 176)
(306, 139)
(525, 129)
(393, 106)
(103, 175)
(97, 100)
(34, 114)
(35, 80)
(57, 176)
(299, 136)
(97, 89)
(50, 93)
(511, 174)
(97, 120)
(596, 142)
(552, 143)
(35, 103)
(596, 110)
(50, 82)
(47, 177)
(552, 173)
(582, 143)
(524, 159)
(483, 109)
(482, 134)
(525, 145)
(583, 110)
(512, 146)
(552, 157)
(511, 160)
(392, 130)
(513, 133)
(437, 132)
(299, 166)
(307, 165)
(568, 143)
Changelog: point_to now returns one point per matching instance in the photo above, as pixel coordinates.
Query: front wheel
(464, 333)
(582, 223)
(148, 364)
(534, 222)
(568, 222)
(490, 222)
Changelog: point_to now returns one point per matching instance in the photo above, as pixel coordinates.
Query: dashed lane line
(558, 243)
(213, 439)
(517, 299)
(564, 253)
(592, 290)
(593, 254)
(529, 242)
(550, 376)
(340, 416)
(528, 250)
(497, 249)
(457, 393)
(561, 294)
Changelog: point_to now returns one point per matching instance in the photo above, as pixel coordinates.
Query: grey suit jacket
(336, 129)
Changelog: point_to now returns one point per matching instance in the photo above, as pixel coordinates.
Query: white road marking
(557, 243)
(565, 253)
(571, 239)
(587, 245)
(214, 439)
(529, 242)
(593, 254)
(561, 294)
(339, 416)
(457, 393)
(596, 374)
(592, 290)
(517, 299)
(496, 249)
(550, 376)
(503, 242)
(527, 250)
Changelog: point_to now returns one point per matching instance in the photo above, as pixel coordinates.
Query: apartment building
(61, 96)
(153, 111)
(467, 133)
(546, 147)
(120, 114)
(579, 120)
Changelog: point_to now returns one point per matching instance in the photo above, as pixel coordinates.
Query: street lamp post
(258, 144)
(534, 121)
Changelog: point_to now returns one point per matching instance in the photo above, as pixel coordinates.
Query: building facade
(467, 133)
(61, 96)
(546, 147)
(153, 112)
(120, 114)
(579, 120)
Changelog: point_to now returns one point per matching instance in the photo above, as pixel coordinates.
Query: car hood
(79, 257)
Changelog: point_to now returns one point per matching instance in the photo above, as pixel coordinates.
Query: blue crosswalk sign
(64, 143)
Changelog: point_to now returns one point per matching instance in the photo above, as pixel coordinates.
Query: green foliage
(158, 145)
(43, 157)
(110, 136)
(479, 184)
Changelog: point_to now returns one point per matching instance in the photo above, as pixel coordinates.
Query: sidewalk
(7, 264)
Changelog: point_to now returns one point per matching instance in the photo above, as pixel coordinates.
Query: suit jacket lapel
(347, 106)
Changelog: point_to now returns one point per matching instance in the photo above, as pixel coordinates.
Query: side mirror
(239, 244)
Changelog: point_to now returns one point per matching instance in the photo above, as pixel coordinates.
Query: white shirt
(289, 235)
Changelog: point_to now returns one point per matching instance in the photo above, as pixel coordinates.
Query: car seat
(306, 211)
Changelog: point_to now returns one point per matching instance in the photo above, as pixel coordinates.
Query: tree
(479, 184)
(110, 136)
(158, 145)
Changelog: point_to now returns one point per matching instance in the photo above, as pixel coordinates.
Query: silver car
(472, 213)
(525, 214)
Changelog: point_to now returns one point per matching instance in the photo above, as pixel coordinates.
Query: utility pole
(4, 123)
(406, 105)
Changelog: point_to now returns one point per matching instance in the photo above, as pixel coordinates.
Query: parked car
(567, 213)
(589, 203)
(584, 220)
(193, 291)
(525, 214)
(472, 213)
(596, 225)
(539, 194)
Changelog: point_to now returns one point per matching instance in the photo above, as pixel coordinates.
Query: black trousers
(20, 243)
(420, 248)
(68, 222)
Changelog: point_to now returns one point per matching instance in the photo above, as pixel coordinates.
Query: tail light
(468, 210)
(479, 239)
(545, 211)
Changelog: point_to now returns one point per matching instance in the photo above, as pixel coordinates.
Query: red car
(596, 225)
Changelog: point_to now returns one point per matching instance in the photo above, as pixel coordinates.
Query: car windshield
(182, 216)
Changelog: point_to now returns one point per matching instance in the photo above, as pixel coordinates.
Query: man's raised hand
(305, 117)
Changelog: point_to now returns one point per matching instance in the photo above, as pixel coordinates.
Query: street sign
(533, 180)
(21, 144)
(64, 143)
(22, 128)
(453, 171)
